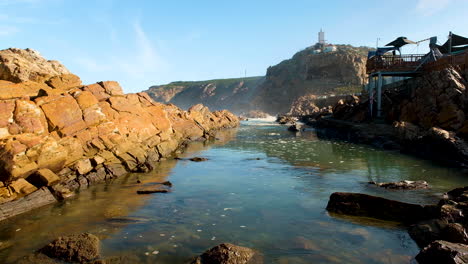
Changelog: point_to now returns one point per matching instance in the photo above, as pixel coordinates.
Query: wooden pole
(450, 43)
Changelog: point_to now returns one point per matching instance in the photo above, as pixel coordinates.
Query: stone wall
(61, 135)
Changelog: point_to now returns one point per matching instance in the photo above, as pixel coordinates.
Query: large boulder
(377, 207)
(21, 65)
(229, 254)
(443, 252)
(75, 248)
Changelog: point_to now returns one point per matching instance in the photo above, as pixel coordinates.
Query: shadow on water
(262, 187)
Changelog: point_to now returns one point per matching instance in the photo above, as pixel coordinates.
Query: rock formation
(57, 133)
(317, 74)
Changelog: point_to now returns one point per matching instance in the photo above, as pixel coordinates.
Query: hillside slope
(235, 94)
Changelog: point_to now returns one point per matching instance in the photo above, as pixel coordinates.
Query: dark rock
(153, 190)
(75, 248)
(403, 185)
(198, 159)
(440, 251)
(167, 183)
(456, 233)
(425, 232)
(378, 207)
(295, 128)
(229, 254)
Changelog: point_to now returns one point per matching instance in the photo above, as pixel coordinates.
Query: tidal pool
(262, 187)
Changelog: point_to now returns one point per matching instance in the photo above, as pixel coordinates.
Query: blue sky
(141, 43)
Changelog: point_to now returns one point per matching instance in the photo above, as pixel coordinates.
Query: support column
(379, 95)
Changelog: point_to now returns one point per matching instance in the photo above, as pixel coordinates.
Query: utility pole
(377, 43)
(450, 43)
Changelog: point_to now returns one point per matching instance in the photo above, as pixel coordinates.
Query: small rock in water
(167, 183)
(402, 185)
(152, 190)
(155, 252)
(198, 159)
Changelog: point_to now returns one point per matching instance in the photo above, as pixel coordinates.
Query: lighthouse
(321, 46)
(321, 37)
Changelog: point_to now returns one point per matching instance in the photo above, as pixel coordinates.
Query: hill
(338, 72)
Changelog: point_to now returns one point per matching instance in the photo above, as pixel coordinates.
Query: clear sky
(142, 43)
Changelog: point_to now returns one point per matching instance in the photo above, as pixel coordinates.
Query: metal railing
(394, 63)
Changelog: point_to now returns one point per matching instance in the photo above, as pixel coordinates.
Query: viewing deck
(412, 63)
(394, 63)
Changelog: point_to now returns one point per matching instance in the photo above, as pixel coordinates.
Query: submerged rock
(152, 190)
(75, 248)
(229, 254)
(439, 252)
(163, 187)
(198, 159)
(377, 207)
(402, 185)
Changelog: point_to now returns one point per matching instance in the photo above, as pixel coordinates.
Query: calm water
(262, 187)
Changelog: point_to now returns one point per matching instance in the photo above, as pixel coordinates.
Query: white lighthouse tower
(321, 37)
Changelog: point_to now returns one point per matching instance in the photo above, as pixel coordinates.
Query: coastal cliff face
(232, 94)
(427, 114)
(305, 73)
(57, 135)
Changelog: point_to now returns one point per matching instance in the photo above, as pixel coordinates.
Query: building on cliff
(387, 64)
(322, 46)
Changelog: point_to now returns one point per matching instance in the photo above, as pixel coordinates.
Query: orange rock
(52, 156)
(85, 99)
(64, 82)
(9, 90)
(22, 186)
(93, 115)
(48, 177)
(6, 112)
(112, 87)
(98, 91)
(64, 114)
(83, 166)
(30, 117)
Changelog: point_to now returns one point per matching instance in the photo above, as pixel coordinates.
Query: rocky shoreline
(57, 135)
(423, 116)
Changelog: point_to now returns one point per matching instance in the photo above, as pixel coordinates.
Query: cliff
(305, 73)
(233, 94)
(57, 135)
